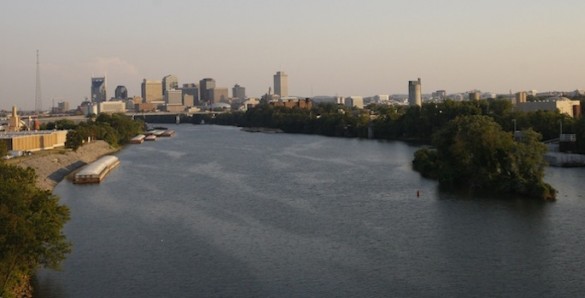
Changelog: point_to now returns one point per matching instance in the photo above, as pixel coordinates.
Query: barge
(96, 171)
(168, 133)
(139, 139)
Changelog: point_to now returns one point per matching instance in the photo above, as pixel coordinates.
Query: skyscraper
(281, 84)
(98, 89)
(414, 93)
(218, 95)
(239, 92)
(190, 94)
(169, 82)
(151, 91)
(205, 88)
(121, 92)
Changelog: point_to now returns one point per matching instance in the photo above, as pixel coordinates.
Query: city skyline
(326, 47)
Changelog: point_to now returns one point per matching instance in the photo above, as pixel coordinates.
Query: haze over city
(327, 47)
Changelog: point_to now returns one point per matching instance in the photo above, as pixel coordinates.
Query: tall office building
(239, 92)
(414, 93)
(63, 106)
(190, 94)
(474, 95)
(98, 89)
(205, 89)
(174, 97)
(151, 91)
(281, 84)
(439, 95)
(521, 97)
(121, 92)
(218, 95)
(169, 82)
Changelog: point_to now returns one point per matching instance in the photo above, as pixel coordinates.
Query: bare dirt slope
(53, 166)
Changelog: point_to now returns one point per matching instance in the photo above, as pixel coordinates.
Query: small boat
(150, 138)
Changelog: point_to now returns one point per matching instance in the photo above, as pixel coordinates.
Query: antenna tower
(38, 100)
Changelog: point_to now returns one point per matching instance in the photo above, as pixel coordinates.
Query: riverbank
(53, 166)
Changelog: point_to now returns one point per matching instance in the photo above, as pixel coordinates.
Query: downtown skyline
(326, 47)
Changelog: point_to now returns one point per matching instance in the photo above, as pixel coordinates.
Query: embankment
(53, 166)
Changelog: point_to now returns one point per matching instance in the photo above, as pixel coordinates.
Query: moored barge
(97, 170)
(139, 139)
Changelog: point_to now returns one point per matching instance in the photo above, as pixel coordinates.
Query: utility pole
(38, 97)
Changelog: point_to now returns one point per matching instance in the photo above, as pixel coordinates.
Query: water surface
(216, 212)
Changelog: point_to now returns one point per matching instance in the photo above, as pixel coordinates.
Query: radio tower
(38, 100)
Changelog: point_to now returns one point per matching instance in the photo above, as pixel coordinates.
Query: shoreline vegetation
(473, 154)
(48, 169)
(31, 216)
(492, 158)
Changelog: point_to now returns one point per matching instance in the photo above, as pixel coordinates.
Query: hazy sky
(327, 47)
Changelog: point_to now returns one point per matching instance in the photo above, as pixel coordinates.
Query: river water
(217, 212)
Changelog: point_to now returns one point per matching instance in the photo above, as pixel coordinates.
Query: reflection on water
(219, 212)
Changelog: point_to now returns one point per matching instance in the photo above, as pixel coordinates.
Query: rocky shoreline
(53, 166)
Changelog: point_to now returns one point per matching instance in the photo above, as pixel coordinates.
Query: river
(217, 212)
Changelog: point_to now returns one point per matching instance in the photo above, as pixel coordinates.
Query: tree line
(116, 129)
(402, 122)
(474, 147)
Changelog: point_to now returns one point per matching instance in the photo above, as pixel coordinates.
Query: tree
(473, 153)
(74, 140)
(31, 222)
(3, 149)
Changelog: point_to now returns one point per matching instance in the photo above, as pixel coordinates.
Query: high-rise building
(521, 97)
(121, 92)
(414, 93)
(63, 106)
(151, 91)
(190, 94)
(474, 95)
(174, 97)
(354, 101)
(281, 84)
(205, 87)
(169, 82)
(239, 92)
(218, 95)
(98, 89)
(440, 95)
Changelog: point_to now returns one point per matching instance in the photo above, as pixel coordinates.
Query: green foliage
(473, 153)
(425, 162)
(580, 132)
(401, 122)
(3, 149)
(64, 124)
(31, 222)
(116, 129)
(74, 140)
